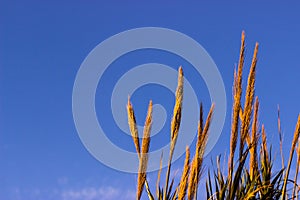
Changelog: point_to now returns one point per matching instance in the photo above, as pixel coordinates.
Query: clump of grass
(249, 175)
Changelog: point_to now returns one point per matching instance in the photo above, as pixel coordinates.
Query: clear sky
(42, 46)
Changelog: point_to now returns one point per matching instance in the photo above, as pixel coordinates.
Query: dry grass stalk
(133, 127)
(192, 179)
(295, 192)
(199, 154)
(134, 132)
(202, 141)
(204, 135)
(158, 176)
(294, 142)
(280, 136)
(237, 92)
(200, 124)
(248, 138)
(147, 130)
(264, 141)
(248, 101)
(144, 153)
(175, 124)
(253, 150)
(298, 168)
(185, 175)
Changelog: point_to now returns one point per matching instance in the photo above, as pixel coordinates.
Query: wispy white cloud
(84, 193)
(31, 194)
(92, 193)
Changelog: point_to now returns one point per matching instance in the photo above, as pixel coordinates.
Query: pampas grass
(237, 93)
(249, 175)
(249, 101)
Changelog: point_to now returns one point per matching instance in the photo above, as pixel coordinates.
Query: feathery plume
(237, 92)
(144, 153)
(192, 179)
(199, 154)
(249, 101)
(175, 124)
(253, 150)
(133, 127)
(184, 176)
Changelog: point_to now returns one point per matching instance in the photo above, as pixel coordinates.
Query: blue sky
(42, 46)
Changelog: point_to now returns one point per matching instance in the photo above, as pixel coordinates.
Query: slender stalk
(294, 142)
(280, 137)
(295, 192)
(264, 141)
(175, 125)
(184, 176)
(158, 176)
(144, 153)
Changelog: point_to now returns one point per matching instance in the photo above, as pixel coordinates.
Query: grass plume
(237, 93)
(175, 124)
(133, 127)
(248, 101)
(251, 176)
(185, 175)
(253, 150)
